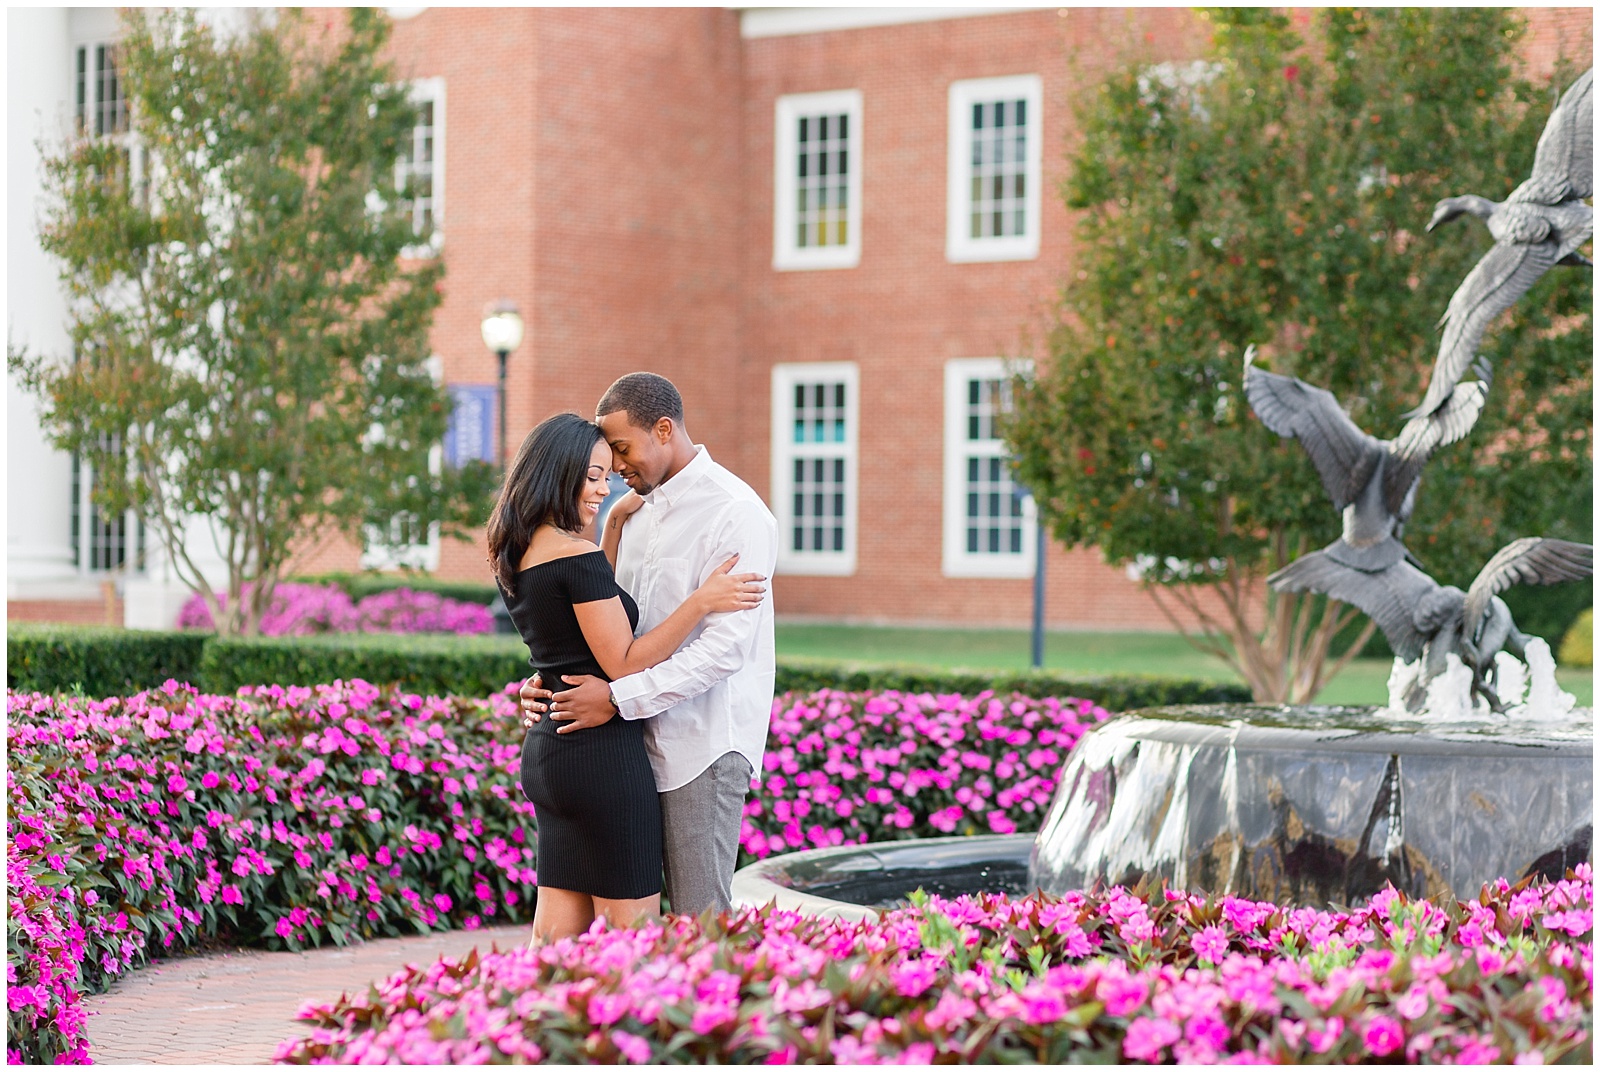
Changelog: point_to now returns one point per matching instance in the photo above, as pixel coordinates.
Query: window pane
(819, 493)
(999, 159)
(83, 87)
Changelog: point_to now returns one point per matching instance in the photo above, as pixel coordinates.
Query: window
(101, 104)
(993, 193)
(102, 543)
(101, 111)
(420, 171)
(814, 466)
(817, 199)
(989, 521)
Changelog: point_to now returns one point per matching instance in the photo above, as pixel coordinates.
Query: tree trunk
(1287, 659)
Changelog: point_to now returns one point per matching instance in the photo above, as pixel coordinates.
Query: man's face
(640, 455)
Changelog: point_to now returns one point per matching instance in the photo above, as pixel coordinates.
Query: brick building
(780, 210)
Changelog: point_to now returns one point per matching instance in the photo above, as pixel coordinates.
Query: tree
(1276, 193)
(249, 345)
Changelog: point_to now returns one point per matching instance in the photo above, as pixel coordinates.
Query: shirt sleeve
(589, 578)
(728, 640)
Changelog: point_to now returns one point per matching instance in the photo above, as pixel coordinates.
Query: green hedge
(1120, 692)
(105, 662)
(360, 585)
(97, 660)
(429, 664)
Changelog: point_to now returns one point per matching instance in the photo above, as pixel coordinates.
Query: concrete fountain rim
(761, 883)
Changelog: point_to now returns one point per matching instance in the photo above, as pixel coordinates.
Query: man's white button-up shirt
(714, 695)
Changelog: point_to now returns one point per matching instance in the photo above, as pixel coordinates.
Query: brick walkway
(234, 1008)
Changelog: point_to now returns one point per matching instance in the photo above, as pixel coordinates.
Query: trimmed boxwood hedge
(426, 663)
(98, 660)
(106, 662)
(1119, 692)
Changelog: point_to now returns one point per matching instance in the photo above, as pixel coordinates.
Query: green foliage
(147, 825)
(248, 343)
(360, 585)
(1276, 194)
(97, 660)
(107, 662)
(431, 665)
(1577, 647)
(1121, 692)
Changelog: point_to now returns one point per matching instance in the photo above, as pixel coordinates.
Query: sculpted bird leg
(1481, 686)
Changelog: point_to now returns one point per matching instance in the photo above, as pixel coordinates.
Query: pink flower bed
(282, 817)
(1117, 976)
(305, 609)
(294, 817)
(844, 768)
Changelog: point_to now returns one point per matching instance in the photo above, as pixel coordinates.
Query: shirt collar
(671, 491)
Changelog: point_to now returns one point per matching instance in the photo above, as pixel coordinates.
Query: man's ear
(664, 430)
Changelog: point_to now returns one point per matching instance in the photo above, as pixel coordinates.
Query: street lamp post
(502, 333)
(1038, 598)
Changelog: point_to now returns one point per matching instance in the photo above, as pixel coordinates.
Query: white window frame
(787, 254)
(960, 246)
(784, 450)
(393, 553)
(87, 516)
(957, 560)
(422, 91)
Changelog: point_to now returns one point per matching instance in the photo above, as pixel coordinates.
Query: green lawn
(1364, 681)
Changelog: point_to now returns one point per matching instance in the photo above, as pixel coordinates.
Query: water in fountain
(1529, 692)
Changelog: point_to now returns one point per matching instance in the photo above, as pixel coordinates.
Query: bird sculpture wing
(1389, 597)
(1424, 435)
(1344, 455)
(1500, 277)
(1563, 164)
(1530, 560)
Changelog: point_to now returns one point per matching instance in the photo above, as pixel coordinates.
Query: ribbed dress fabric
(592, 790)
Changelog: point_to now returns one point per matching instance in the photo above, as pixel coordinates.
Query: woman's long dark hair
(543, 486)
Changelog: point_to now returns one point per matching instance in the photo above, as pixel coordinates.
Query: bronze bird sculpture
(1425, 620)
(1372, 482)
(1541, 224)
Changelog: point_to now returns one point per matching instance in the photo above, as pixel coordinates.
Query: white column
(39, 95)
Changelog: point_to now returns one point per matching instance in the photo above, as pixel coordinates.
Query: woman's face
(595, 487)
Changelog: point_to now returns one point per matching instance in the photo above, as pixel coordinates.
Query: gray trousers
(700, 836)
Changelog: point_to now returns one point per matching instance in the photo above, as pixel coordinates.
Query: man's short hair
(645, 397)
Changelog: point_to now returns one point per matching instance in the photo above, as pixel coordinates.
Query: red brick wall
(610, 170)
(1557, 31)
(107, 611)
(905, 309)
(636, 261)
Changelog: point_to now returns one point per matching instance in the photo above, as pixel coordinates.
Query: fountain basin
(856, 881)
(1318, 805)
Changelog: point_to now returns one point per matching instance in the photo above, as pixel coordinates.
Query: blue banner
(470, 434)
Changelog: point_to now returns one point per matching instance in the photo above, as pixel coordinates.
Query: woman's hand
(624, 508)
(725, 590)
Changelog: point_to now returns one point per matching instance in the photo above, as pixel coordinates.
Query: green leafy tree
(249, 345)
(1276, 193)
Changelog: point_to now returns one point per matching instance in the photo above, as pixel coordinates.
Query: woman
(593, 792)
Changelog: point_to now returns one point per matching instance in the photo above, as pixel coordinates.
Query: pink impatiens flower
(1382, 1035)
(1210, 944)
(1147, 1037)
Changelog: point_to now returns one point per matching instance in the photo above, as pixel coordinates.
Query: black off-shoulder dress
(592, 790)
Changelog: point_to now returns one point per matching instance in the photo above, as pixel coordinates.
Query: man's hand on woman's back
(586, 705)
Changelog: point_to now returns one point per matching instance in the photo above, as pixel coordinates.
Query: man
(707, 708)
